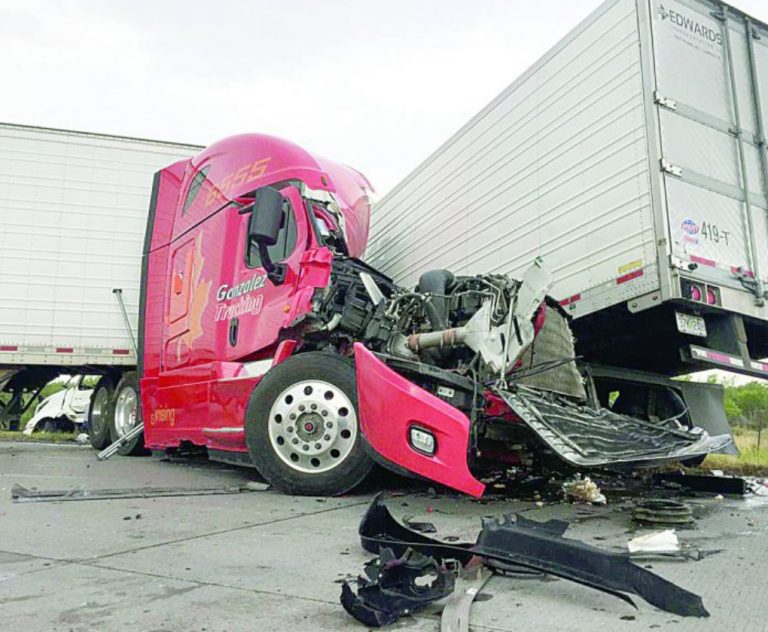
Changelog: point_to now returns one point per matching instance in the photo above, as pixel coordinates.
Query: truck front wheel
(125, 414)
(99, 412)
(302, 426)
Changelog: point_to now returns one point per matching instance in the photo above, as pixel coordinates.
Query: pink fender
(389, 404)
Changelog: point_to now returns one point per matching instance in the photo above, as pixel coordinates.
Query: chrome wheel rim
(126, 411)
(99, 410)
(312, 426)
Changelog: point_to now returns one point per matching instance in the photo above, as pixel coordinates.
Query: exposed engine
(457, 323)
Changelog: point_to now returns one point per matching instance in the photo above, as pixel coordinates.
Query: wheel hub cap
(312, 426)
(126, 411)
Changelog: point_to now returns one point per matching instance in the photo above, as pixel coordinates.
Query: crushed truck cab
(266, 339)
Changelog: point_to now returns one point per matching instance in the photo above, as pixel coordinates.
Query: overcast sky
(377, 85)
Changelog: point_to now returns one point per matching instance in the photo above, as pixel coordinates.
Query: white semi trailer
(73, 213)
(632, 158)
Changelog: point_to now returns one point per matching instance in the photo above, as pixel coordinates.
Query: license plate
(692, 325)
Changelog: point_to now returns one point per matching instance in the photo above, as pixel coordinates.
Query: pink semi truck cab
(266, 340)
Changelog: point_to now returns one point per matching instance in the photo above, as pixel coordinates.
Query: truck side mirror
(267, 218)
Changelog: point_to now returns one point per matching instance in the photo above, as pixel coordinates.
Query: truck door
(185, 270)
(709, 67)
(250, 309)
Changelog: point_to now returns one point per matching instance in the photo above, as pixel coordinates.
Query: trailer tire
(302, 426)
(125, 413)
(99, 412)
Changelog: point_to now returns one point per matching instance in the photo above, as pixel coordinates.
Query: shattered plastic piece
(584, 490)
(658, 542)
(389, 588)
(539, 546)
(655, 511)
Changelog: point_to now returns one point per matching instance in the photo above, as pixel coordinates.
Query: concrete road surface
(264, 561)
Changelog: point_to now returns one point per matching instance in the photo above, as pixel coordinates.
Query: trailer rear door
(711, 65)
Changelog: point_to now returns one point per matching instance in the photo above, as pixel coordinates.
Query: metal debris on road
(20, 494)
(473, 577)
(659, 511)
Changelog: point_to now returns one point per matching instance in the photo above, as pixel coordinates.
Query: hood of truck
(236, 166)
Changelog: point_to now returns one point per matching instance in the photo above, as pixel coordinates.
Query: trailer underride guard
(264, 337)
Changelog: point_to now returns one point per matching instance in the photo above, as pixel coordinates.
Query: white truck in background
(632, 159)
(65, 410)
(73, 212)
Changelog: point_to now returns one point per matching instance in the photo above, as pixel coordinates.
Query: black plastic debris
(391, 588)
(538, 546)
(705, 484)
(656, 511)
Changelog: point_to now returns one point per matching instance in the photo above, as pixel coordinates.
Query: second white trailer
(73, 211)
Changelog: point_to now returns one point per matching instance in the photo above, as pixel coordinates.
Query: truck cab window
(194, 188)
(286, 241)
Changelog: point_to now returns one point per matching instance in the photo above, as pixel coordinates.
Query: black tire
(353, 465)
(127, 387)
(99, 412)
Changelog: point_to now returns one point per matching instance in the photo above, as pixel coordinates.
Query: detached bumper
(390, 405)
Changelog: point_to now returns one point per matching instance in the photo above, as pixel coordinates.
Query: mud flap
(588, 437)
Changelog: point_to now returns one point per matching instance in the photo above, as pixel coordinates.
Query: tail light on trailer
(713, 295)
(700, 292)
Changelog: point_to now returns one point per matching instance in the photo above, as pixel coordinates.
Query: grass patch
(37, 437)
(751, 461)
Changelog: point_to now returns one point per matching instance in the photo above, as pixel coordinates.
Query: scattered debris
(256, 486)
(757, 486)
(583, 490)
(657, 542)
(658, 511)
(390, 587)
(473, 577)
(538, 546)
(715, 484)
(20, 494)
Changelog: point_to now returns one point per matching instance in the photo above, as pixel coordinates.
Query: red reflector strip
(727, 360)
(64, 350)
(715, 356)
(703, 261)
(570, 300)
(120, 351)
(629, 276)
(8, 348)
